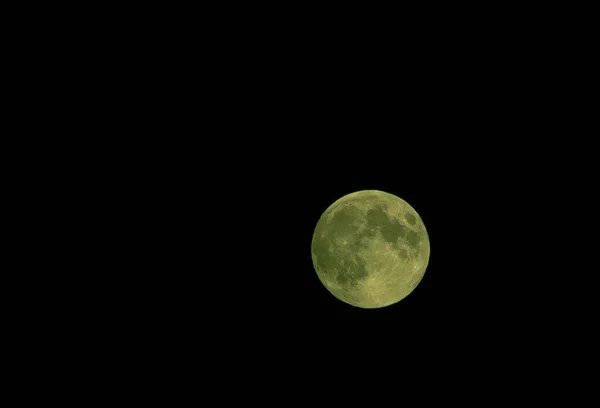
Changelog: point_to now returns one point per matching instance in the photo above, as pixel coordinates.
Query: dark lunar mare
(391, 229)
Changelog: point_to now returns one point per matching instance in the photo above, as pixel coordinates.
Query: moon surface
(370, 249)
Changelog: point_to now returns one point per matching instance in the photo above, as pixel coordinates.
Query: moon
(370, 249)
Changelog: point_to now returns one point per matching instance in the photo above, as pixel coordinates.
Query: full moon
(370, 249)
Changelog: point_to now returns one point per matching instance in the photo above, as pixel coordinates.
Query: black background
(214, 153)
(177, 161)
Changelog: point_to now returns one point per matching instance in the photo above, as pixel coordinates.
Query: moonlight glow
(370, 249)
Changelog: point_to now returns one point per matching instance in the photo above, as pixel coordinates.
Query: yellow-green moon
(370, 249)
